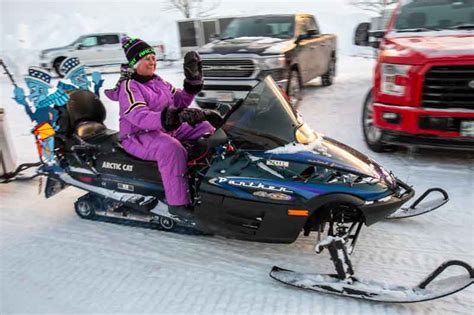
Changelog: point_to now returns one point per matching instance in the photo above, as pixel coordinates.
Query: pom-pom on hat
(39, 74)
(135, 49)
(68, 66)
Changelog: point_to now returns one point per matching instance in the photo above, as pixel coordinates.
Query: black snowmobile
(264, 175)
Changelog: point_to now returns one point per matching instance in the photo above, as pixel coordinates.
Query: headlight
(272, 62)
(394, 79)
(305, 134)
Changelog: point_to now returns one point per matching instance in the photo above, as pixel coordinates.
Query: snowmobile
(264, 176)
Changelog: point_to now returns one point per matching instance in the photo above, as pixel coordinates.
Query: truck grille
(226, 68)
(449, 87)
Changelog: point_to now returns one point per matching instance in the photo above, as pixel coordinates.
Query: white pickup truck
(93, 50)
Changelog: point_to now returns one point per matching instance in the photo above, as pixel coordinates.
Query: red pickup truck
(423, 92)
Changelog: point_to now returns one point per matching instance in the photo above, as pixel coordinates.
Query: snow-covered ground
(51, 261)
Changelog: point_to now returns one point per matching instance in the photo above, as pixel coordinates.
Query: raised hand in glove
(192, 66)
(192, 116)
(193, 72)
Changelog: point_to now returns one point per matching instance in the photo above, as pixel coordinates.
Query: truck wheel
(56, 64)
(294, 88)
(328, 78)
(372, 135)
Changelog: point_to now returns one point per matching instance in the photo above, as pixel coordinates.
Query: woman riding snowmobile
(155, 118)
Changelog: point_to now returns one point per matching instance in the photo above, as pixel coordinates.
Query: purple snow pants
(167, 150)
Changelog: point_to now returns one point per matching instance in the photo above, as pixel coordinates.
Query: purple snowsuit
(143, 136)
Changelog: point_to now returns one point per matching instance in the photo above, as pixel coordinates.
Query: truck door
(307, 50)
(88, 50)
(320, 46)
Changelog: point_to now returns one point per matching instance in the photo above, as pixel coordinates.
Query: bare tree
(380, 7)
(192, 8)
(377, 6)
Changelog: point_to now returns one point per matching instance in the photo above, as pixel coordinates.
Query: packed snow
(51, 261)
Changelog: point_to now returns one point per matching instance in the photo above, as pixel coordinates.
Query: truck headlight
(273, 62)
(394, 79)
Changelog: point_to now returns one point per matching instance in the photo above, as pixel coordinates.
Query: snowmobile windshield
(265, 120)
(261, 26)
(434, 15)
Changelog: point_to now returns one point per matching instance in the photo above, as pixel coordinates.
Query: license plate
(467, 128)
(225, 97)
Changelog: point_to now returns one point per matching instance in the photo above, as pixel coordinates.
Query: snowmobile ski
(345, 284)
(419, 206)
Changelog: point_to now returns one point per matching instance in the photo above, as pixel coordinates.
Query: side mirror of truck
(311, 33)
(365, 37)
(376, 38)
(79, 46)
(308, 34)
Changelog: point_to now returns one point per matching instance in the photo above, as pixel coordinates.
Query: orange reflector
(298, 213)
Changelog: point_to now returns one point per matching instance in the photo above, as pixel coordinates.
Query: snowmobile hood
(251, 45)
(334, 154)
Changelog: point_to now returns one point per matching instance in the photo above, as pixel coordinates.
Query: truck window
(312, 25)
(305, 24)
(223, 23)
(187, 34)
(209, 28)
(435, 14)
(256, 26)
(109, 39)
(89, 41)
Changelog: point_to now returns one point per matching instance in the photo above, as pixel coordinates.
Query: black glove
(170, 119)
(192, 87)
(193, 72)
(192, 66)
(192, 116)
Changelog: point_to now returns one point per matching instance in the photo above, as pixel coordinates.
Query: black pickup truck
(288, 47)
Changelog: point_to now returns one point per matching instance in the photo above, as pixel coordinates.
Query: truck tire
(328, 78)
(373, 136)
(293, 89)
(56, 64)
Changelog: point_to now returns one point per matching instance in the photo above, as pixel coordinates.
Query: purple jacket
(141, 104)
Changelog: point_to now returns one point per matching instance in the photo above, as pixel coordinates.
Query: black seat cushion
(82, 106)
